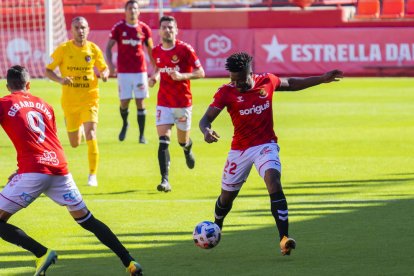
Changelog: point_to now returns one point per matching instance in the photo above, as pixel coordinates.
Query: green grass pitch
(347, 152)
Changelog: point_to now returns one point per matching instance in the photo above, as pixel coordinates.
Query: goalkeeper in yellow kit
(76, 60)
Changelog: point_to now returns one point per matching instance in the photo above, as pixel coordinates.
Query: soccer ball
(206, 234)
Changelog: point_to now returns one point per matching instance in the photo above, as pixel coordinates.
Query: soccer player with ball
(248, 99)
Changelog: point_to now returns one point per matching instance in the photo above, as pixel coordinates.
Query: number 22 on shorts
(230, 168)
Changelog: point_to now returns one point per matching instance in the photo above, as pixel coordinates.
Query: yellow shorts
(76, 116)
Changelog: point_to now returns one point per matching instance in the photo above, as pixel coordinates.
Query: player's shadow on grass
(356, 181)
(363, 240)
(337, 187)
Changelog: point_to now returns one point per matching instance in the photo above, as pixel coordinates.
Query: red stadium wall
(285, 51)
(327, 17)
(286, 42)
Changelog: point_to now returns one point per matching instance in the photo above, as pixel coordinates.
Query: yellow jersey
(78, 63)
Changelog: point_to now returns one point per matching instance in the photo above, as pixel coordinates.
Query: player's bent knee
(79, 213)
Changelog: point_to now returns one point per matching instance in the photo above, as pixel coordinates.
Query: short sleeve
(219, 99)
(57, 58)
(194, 61)
(114, 33)
(1, 112)
(275, 81)
(147, 31)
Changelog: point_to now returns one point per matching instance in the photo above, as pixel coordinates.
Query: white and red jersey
(130, 40)
(30, 123)
(181, 58)
(250, 111)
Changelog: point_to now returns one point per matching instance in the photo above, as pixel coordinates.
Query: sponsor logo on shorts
(182, 119)
(49, 158)
(72, 196)
(27, 198)
(14, 179)
(265, 150)
(141, 86)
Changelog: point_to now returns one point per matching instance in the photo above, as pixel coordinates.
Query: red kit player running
(248, 99)
(42, 168)
(177, 64)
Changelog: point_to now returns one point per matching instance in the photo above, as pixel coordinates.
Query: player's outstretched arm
(197, 73)
(296, 84)
(210, 135)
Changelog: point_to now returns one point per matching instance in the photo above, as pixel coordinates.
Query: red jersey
(183, 59)
(250, 111)
(130, 40)
(30, 124)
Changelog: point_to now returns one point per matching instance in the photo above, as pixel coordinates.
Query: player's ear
(27, 85)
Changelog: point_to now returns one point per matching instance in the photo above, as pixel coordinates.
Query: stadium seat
(409, 9)
(72, 2)
(368, 9)
(10, 3)
(302, 3)
(69, 9)
(113, 4)
(91, 2)
(392, 9)
(87, 8)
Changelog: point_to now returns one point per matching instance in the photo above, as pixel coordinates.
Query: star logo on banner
(274, 50)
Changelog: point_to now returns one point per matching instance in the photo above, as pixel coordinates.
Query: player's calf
(189, 156)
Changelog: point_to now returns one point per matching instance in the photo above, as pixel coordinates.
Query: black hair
(238, 62)
(17, 77)
(131, 2)
(168, 18)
